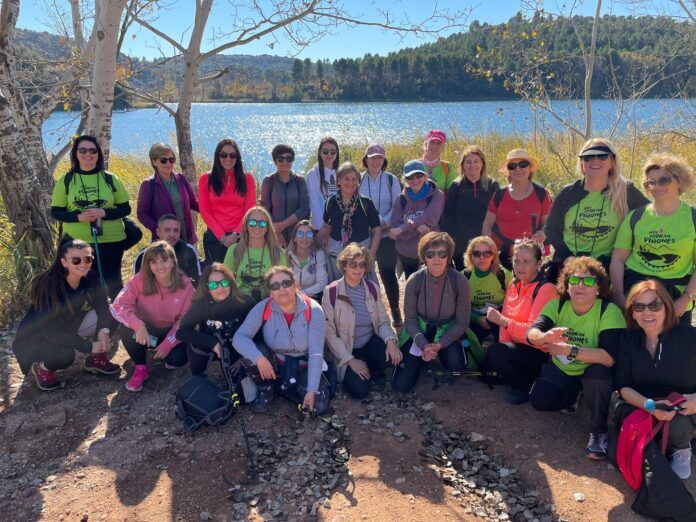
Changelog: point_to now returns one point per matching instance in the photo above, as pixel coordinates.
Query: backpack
(638, 213)
(333, 290)
(637, 430)
(538, 190)
(500, 275)
(267, 311)
(199, 401)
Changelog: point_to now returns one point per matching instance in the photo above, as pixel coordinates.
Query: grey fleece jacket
(296, 340)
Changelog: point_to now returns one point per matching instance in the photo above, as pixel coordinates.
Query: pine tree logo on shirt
(656, 251)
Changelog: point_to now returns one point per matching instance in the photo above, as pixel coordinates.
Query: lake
(257, 127)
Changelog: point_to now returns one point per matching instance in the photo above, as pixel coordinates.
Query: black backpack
(200, 402)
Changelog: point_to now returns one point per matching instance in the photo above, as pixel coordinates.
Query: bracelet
(649, 405)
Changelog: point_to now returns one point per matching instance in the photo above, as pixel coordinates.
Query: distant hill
(486, 62)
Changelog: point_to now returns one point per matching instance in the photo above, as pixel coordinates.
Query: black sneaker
(513, 396)
(597, 446)
(264, 395)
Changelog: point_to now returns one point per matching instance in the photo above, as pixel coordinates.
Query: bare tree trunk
(106, 26)
(589, 71)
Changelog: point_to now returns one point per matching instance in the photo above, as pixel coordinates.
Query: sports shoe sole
(57, 386)
(593, 456)
(95, 370)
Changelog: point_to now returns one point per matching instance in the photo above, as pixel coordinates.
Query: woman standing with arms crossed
(321, 180)
(91, 203)
(225, 194)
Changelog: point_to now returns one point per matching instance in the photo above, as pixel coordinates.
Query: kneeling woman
(216, 312)
(358, 332)
(68, 312)
(513, 358)
(151, 306)
(288, 355)
(581, 330)
(436, 311)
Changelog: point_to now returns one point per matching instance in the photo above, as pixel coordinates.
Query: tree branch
(156, 31)
(147, 97)
(213, 76)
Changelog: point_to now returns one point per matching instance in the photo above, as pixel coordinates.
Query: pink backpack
(637, 430)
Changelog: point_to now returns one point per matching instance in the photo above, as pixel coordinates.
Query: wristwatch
(692, 296)
(649, 405)
(574, 350)
(105, 330)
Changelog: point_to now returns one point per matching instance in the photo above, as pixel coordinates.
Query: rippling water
(257, 127)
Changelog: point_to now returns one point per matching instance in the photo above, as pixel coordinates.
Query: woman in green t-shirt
(658, 241)
(255, 253)
(90, 204)
(488, 282)
(581, 332)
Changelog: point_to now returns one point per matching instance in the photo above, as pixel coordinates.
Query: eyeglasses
(654, 306)
(430, 254)
(164, 161)
(83, 150)
(329, 152)
(300, 234)
(586, 281)
(285, 158)
(522, 164)
(262, 223)
(77, 260)
(213, 285)
(662, 182)
(486, 254)
(231, 155)
(587, 159)
(356, 264)
(285, 283)
(416, 175)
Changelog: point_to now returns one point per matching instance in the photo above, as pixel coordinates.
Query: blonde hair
(485, 240)
(242, 247)
(675, 166)
(475, 149)
(163, 250)
(616, 184)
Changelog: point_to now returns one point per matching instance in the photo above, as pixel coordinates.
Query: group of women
(611, 310)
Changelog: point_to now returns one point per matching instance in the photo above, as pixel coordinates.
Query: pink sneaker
(140, 375)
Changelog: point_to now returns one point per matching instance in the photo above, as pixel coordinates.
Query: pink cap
(438, 135)
(375, 150)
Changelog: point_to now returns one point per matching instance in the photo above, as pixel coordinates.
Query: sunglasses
(285, 158)
(586, 281)
(214, 285)
(522, 164)
(486, 254)
(430, 254)
(262, 223)
(285, 283)
(416, 175)
(164, 161)
(654, 306)
(231, 155)
(329, 152)
(356, 264)
(300, 234)
(83, 150)
(77, 260)
(587, 159)
(662, 182)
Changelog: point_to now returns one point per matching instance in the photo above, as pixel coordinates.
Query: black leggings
(481, 333)
(138, 352)
(386, 260)
(213, 249)
(518, 365)
(409, 264)
(374, 355)
(406, 374)
(199, 357)
(110, 258)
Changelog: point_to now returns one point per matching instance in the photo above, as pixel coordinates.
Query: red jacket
(161, 309)
(223, 214)
(519, 308)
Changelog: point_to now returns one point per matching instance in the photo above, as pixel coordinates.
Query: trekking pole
(446, 374)
(96, 254)
(226, 364)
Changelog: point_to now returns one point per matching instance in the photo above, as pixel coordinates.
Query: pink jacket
(521, 310)
(160, 309)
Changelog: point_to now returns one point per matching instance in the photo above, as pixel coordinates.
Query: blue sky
(347, 42)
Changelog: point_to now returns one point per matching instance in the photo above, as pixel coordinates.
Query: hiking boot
(140, 375)
(45, 379)
(597, 446)
(513, 396)
(264, 395)
(100, 363)
(681, 463)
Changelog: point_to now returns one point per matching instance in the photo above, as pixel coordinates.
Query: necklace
(517, 202)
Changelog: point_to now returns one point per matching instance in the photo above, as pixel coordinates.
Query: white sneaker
(681, 463)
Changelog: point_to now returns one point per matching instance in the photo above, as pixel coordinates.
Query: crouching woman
(287, 355)
(358, 332)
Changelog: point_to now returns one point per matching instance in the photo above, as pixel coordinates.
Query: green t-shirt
(661, 246)
(486, 289)
(437, 174)
(583, 330)
(91, 191)
(251, 272)
(590, 227)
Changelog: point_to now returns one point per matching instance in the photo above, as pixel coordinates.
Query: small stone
(476, 437)
(579, 497)
(205, 516)
(327, 504)
(458, 454)
(400, 480)
(398, 434)
(428, 406)
(51, 478)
